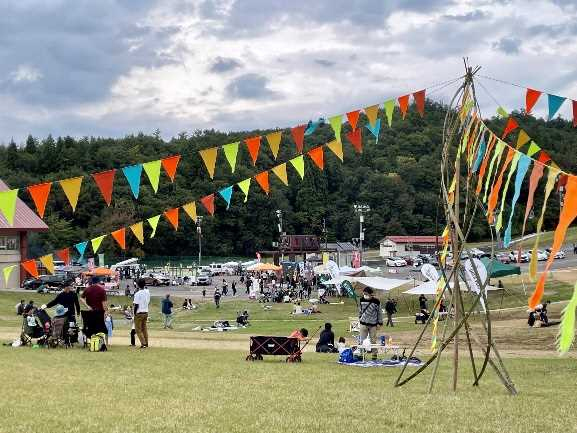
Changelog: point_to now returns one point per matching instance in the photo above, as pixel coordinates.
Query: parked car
(396, 262)
(204, 279)
(503, 258)
(560, 254)
(541, 255)
(156, 280)
(514, 257)
(57, 281)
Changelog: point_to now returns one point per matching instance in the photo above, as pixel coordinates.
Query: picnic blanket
(381, 363)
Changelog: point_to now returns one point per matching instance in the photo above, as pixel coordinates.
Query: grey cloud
(475, 15)
(224, 64)
(325, 63)
(249, 86)
(508, 45)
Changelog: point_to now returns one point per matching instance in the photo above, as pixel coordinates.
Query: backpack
(98, 343)
(347, 356)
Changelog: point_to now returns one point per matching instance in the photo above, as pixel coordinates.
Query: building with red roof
(400, 246)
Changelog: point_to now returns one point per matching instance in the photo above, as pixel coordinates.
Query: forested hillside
(398, 177)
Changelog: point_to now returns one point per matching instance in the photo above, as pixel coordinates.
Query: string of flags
(554, 103)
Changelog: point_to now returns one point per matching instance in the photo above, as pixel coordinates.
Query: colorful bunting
(493, 197)
(404, 105)
(510, 127)
(493, 164)
(48, 262)
(555, 103)
(133, 173)
(8, 204)
(298, 134)
(522, 167)
(208, 203)
(299, 164)
(356, 139)
(226, 194)
(39, 194)
(336, 123)
(172, 216)
(337, 147)
(96, 242)
(244, 186)
(567, 327)
(533, 149)
(64, 255)
(190, 209)
(531, 98)
(71, 188)
(502, 112)
(534, 178)
(253, 146)
(81, 248)
(375, 129)
(353, 118)
(389, 107)
(503, 193)
(120, 236)
(274, 142)
(170, 164)
(7, 271)
(419, 98)
(317, 155)
(138, 231)
(30, 267)
(153, 224)
(372, 113)
(209, 158)
(262, 180)
(152, 170)
(105, 182)
(231, 152)
(480, 154)
(280, 172)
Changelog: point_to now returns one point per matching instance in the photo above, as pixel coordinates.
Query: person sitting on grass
(297, 309)
(300, 334)
(326, 343)
(341, 344)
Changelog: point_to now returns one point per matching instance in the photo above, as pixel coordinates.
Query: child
(341, 345)
(109, 327)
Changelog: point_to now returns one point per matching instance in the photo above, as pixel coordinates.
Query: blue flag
(480, 154)
(555, 103)
(375, 129)
(226, 194)
(81, 248)
(132, 174)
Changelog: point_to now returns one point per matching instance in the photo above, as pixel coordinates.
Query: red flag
(353, 118)
(30, 267)
(574, 114)
(419, 98)
(253, 145)
(39, 194)
(544, 157)
(356, 140)
(298, 133)
(169, 164)
(262, 180)
(208, 203)
(404, 104)
(120, 237)
(510, 127)
(317, 155)
(172, 216)
(105, 182)
(531, 99)
(64, 255)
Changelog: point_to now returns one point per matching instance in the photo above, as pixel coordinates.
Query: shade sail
(497, 269)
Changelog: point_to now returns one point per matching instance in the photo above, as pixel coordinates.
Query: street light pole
(280, 233)
(199, 231)
(361, 209)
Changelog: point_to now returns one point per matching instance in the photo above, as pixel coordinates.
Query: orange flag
(531, 99)
(253, 145)
(170, 164)
(404, 104)
(208, 203)
(39, 194)
(419, 98)
(356, 139)
(172, 216)
(120, 237)
(298, 134)
(30, 267)
(262, 180)
(105, 182)
(535, 177)
(317, 155)
(568, 214)
(353, 118)
(510, 127)
(64, 255)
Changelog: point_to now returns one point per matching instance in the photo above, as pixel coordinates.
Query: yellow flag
(274, 142)
(7, 271)
(138, 231)
(71, 188)
(209, 158)
(190, 209)
(522, 139)
(372, 112)
(48, 262)
(337, 147)
(280, 171)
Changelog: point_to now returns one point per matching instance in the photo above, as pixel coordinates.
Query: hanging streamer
(480, 154)
(483, 168)
(496, 158)
(512, 170)
(534, 179)
(496, 187)
(522, 167)
(567, 327)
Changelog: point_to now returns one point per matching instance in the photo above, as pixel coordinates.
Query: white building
(400, 246)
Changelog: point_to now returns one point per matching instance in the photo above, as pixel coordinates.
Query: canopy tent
(264, 267)
(430, 288)
(498, 269)
(377, 283)
(100, 272)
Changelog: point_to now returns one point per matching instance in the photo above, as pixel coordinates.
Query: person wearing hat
(370, 317)
(67, 299)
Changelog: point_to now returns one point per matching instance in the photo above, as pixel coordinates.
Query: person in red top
(300, 334)
(94, 298)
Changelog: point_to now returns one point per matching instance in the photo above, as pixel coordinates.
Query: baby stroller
(64, 332)
(36, 326)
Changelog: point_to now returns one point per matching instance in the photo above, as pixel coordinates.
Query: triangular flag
(356, 140)
(389, 108)
(375, 129)
(208, 203)
(172, 217)
(48, 262)
(120, 237)
(39, 194)
(253, 146)
(509, 127)
(30, 267)
(531, 99)
(280, 171)
(419, 98)
(231, 152)
(71, 188)
(502, 112)
(544, 157)
(209, 158)
(96, 242)
(244, 186)
(190, 209)
(132, 173)
(81, 248)
(298, 134)
(404, 105)
(105, 182)
(522, 139)
(372, 112)
(274, 142)
(353, 118)
(7, 271)
(138, 231)
(153, 223)
(226, 194)
(64, 255)
(262, 180)
(574, 113)
(317, 155)
(336, 123)
(555, 103)
(299, 163)
(533, 149)
(152, 170)
(170, 164)
(337, 148)
(8, 204)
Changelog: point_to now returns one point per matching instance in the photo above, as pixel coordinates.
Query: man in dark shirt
(326, 343)
(422, 302)
(167, 311)
(390, 308)
(94, 298)
(20, 308)
(68, 299)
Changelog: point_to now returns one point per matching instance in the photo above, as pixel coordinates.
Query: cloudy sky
(113, 67)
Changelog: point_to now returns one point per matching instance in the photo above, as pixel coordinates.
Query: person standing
(423, 302)
(141, 302)
(370, 318)
(204, 293)
(233, 288)
(217, 298)
(224, 287)
(94, 298)
(20, 307)
(167, 311)
(390, 308)
(68, 299)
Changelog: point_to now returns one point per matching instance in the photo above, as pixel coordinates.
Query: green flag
(153, 223)
(244, 187)
(299, 165)
(152, 170)
(96, 243)
(231, 151)
(8, 204)
(7, 271)
(389, 108)
(336, 123)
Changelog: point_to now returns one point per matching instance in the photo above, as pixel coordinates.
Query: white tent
(427, 288)
(377, 283)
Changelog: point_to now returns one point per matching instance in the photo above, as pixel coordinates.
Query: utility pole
(280, 234)
(199, 231)
(361, 209)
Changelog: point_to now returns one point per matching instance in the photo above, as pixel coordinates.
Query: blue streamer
(375, 129)
(522, 167)
(480, 154)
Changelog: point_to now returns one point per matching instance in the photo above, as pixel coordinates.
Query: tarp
(498, 269)
(427, 288)
(264, 267)
(99, 272)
